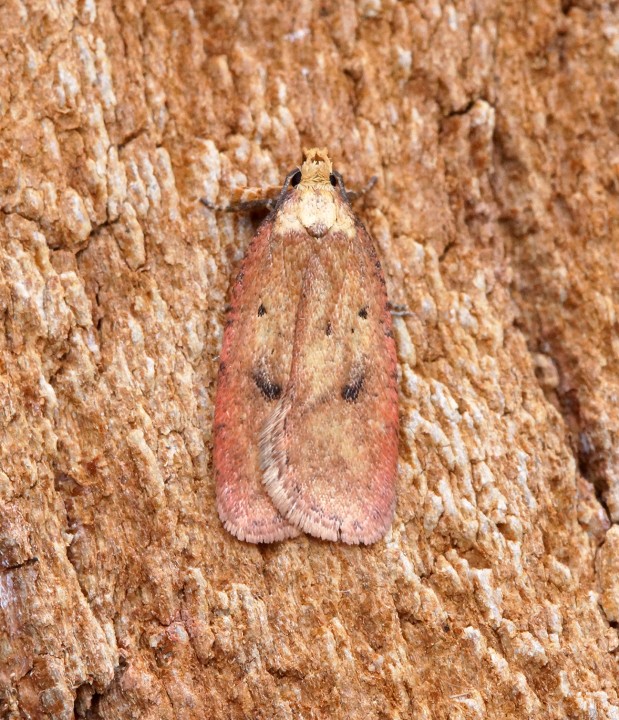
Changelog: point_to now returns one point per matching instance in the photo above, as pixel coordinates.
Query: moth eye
(333, 179)
(296, 178)
(262, 310)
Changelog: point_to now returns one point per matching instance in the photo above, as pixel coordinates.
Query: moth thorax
(317, 211)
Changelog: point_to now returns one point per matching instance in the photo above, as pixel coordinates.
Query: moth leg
(245, 200)
(354, 195)
(399, 310)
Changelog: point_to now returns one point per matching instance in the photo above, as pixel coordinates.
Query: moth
(306, 408)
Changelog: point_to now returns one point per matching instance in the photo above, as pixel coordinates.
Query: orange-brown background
(493, 129)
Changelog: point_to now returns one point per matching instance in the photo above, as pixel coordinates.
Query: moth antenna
(399, 310)
(245, 206)
(354, 195)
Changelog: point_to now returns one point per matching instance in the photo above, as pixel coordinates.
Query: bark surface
(493, 128)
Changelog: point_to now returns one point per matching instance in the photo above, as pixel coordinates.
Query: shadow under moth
(306, 408)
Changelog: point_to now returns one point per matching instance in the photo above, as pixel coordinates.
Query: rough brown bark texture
(493, 128)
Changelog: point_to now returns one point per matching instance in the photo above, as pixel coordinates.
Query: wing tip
(255, 528)
(271, 534)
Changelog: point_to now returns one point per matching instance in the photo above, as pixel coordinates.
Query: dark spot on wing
(240, 277)
(262, 310)
(363, 313)
(271, 390)
(222, 367)
(328, 329)
(350, 392)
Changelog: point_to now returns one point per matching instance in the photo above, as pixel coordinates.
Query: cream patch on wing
(316, 212)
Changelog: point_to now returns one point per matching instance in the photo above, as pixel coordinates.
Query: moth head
(316, 169)
(317, 192)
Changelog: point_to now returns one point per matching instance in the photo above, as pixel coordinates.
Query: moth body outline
(306, 410)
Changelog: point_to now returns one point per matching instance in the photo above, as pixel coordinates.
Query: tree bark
(492, 127)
